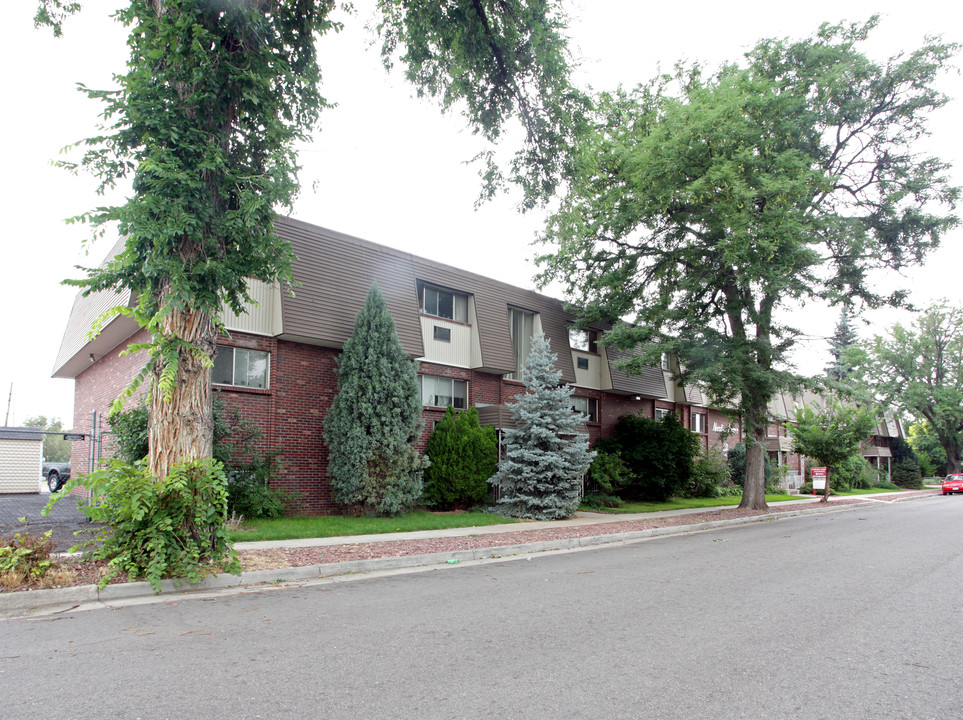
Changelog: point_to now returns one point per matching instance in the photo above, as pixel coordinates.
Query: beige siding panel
(456, 352)
(259, 318)
(75, 348)
(591, 378)
(476, 357)
(20, 465)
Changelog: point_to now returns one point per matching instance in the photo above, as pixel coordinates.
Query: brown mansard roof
(335, 272)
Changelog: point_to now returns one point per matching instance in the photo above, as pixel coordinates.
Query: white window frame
(520, 323)
(432, 387)
(661, 413)
(431, 303)
(239, 356)
(586, 406)
(700, 419)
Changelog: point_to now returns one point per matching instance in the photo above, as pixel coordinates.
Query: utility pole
(6, 422)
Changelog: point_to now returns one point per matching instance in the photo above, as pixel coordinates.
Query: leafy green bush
(710, 473)
(600, 500)
(608, 472)
(885, 485)
(24, 557)
(463, 456)
(659, 454)
(172, 527)
(906, 474)
(854, 472)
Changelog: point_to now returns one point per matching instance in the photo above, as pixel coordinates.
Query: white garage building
(21, 459)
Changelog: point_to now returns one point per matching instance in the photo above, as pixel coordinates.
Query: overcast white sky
(384, 166)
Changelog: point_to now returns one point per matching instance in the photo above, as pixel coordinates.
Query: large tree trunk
(953, 453)
(182, 427)
(754, 484)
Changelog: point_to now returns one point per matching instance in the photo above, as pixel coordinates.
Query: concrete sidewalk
(42, 602)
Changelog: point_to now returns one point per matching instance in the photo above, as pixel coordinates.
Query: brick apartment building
(470, 335)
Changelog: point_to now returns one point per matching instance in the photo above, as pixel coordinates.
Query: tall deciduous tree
(920, 370)
(546, 453)
(205, 119)
(831, 433)
(375, 417)
(55, 448)
(705, 205)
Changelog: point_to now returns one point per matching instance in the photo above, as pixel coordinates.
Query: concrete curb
(14, 604)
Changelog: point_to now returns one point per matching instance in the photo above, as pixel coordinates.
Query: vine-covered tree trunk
(182, 424)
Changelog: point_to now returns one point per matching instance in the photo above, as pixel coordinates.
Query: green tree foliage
(375, 418)
(711, 475)
(463, 455)
(660, 455)
(705, 205)
(205, 119)
(546, 453)
(831, 433)
(919, 369)
(929, 452)
(906, 471)
(55, 448)
(843, 339)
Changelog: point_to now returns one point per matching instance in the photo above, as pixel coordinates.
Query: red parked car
(953, 484)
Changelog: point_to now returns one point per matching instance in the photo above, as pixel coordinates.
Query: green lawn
(684, 503)
(291, 528)
(870, 491)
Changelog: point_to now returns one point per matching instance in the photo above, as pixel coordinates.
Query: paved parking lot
(64, 519)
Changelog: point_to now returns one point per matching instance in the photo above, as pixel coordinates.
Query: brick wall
(302, 386)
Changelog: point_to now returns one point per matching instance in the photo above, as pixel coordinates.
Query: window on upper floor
(699, 423)
(241, 367)
(662, 413)
(443, 303)
(583, 363)
(586, 340)
(441, 392)
(521, 325)
(665, 361)
(586, 406)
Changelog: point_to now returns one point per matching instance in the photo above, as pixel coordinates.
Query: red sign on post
(819, 475)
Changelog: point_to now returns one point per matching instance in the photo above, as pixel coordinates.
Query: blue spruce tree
(546, 455)
(375, 418)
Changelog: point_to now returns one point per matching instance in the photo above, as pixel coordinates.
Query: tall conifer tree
(546, 454)
(375, 417)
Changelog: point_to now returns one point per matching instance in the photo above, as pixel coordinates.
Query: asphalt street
(845, 615)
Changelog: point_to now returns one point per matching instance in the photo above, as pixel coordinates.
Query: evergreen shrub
(375, 418)
(660, 456)
(463, 456)
(546, 453)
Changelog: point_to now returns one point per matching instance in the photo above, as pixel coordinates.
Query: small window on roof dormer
(444, 303)
(586, 340)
